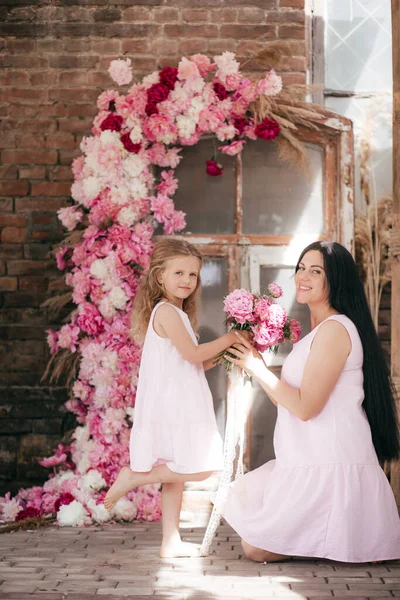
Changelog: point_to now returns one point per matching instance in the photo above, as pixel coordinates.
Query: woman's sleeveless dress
(174, 419)
(325, 495)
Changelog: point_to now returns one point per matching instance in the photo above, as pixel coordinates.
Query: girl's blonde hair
(151, 291)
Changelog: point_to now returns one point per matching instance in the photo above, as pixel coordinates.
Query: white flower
(149, 80)
(92, 165)
(118, 297)
(84, 462)
(137, 189)
(11, 509)
(124, 510)
(73, 515)
(133, 165)
(226, 132)
(93, 480)
(81, 435)
(99, 512)
(127, 216)
(130, 411)
(136, 134)
(179, 93)
(119, 195)
(77, 191)
(186, 126)
(98, 269)
(197, 105)
(110, 138)
(91, 188)
(106, 308)
(227, 65)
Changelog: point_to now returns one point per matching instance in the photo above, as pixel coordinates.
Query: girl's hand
(247, 357)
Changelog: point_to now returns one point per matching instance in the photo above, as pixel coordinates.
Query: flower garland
(118, 205)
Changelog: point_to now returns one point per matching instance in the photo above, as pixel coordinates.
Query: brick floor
(121, 561)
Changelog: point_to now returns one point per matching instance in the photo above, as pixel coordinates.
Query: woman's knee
(203, 475)
(252, 553)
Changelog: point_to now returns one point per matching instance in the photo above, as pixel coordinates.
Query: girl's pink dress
(174, 419)
(325, 495)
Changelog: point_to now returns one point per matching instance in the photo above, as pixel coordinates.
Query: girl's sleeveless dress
(325, 495)
(174, 419)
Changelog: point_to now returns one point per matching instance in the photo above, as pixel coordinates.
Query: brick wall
(54, 55)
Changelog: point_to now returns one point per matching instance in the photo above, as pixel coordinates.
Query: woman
(325, 495)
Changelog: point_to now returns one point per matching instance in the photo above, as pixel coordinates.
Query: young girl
(174, 438)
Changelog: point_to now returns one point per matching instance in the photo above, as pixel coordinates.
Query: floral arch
(118, 205)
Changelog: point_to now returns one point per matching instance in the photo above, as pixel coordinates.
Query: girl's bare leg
(128, 479)
(172, 545)
(260, 555)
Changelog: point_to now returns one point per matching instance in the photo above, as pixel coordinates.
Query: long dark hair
(347, 296)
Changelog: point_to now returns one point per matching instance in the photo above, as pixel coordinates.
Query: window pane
(284, 276)
(278, 198)
(214, 275)
(209, 202)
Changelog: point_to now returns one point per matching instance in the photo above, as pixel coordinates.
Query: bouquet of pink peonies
(262, 316)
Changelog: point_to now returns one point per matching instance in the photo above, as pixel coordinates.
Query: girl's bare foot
(179, 549)
(125, 482)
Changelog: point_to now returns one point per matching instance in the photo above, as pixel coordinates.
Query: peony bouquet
(262, 316)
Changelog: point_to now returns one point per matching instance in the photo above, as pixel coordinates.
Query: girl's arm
(169, 324)
(329, 351)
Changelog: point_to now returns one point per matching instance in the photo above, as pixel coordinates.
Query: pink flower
(203, 63)
(232, 81)
(169, 76)
(213, 168)
(261, 308)
(274, 290)
(276, 316)
(89, 319)
(129, 145)
(295, 331)
(160, 128)
(77, 167)
(58, 458)
(162, 207)
(220, 91)
(28, 513)
(187, 69)
(168, 184)
(176, 222)
(233, 148)
(265, 336)
(106, 98)
(112, 122)
(68, 337)
(52, 340)
(239, 306)
(121, 71)
(270, 85)
(70, 216)
(63, 500)
(226, 65)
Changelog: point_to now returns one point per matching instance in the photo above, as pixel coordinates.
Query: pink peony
(295, 331)
(59, 457)
(226, 65)
(176, 222)
(160, 128)
(187, 69)
(168, 184)
(261, 309)
(275, 290)
(121, 71)
(265, 336)
(70, 216)
(52, 340)
(89, 319)
(203, 63)
(239, 306)
(68, 337)
(107, 100)
(162, 207)
(270, 85)
(233, 148)
(276, 316)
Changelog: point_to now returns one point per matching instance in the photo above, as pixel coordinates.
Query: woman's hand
(246, 357)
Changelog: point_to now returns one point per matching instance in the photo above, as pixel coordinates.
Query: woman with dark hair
(325, 495)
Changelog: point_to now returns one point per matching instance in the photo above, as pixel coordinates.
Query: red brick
(18, 61)
(3, 110)
(31, 125)
(77, 13)
(105, 46)
(132, 30)
(60, 140)
(32, 157)
(12, 220)
(42, 236)
(224, 15)
(40, 204)
(13, 235)
(165, 46)
(81, 110)
(135, 46)
(76, 125)
(193, 15)
(74, 45)
(68, 61)
(286, 16)
(99, 79)
(26, 95)
(240, 32)
(8, 140)
(67, 156)
(110, 15)
(193, 46)
(251, 15)
(292, 3)
(20, 46)
(14, 77)
(8, 284)
(24, 110)
(14, 188)
(293, 78)
(49, 46)
(249, 48)
(217, 46)
(291, 31)
(33, 284)
(55, 109)
(73, 77)
(8, 172)
(44, 78)
(166, 15)
(34, 142)
(189, 31)
(32, 172)
(2, 267)
(67, 94)
(28, 267)
(6, 204)
(61, 174)
(135, 14)
(48, 188)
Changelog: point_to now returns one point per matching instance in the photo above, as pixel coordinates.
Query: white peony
(137, 189)
(124, 510)
(186, 126)
(118, 297)
(106, 308)
(91, 188)
(110, 138)
(99, 512)
(93, 480)
(197, 105)
(73, 515)
(92, 165)
(130, 411)
(84, 463)
(133, 165)
(119, 195)
(136, 134)
(99, 269)
(149, 80)
(81, 435)
(10, 509)
(127, 216)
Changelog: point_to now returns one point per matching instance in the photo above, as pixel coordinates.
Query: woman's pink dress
(174, 420)
(325, 495)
